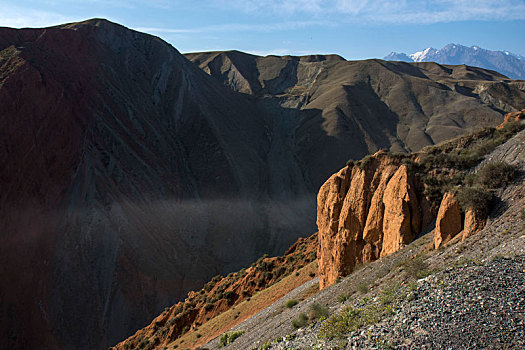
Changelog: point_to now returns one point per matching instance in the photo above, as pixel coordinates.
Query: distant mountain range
(505, 62)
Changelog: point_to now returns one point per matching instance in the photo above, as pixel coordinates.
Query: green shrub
(496, 174)
(362, 287)
(476, 198)
(229, 295)
(343, 297)
(348, 320)
(265, 346)
(363, 163)
(318, 311)
(229, 337)
(300, 321)
(291, 303)
(417, 268)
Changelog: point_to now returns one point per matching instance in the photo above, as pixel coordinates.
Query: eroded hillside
(130, 177)
(347, 109)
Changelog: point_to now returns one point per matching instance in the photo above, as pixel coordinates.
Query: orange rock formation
(448, 222)
(365, 212)
(513, 117)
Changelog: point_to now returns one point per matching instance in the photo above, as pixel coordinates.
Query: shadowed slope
(352, 108)
(129, 177)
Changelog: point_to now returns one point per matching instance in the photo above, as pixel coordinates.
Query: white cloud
(385, 11)
(15, 17)
(278, 52)
(238, 27)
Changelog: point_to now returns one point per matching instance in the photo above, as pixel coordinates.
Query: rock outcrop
(513, 117)
(474, 222)
(365, 211)
(449, 221)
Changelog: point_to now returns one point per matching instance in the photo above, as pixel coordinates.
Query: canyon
(133, 174)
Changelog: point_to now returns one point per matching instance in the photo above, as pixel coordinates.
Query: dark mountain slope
(128, 177)
(347, 109)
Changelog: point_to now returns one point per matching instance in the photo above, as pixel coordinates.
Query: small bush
(512, 128)
(265, 346)
(496, 174)
(476, 198)
(343, 297)
(363, 163)
(291, 303)
(229, 295)
(318, 311)
(417, 268)
(362, 288)
(300, 321)
(348, 320)
(229, 337)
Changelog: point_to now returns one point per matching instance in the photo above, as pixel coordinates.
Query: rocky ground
(467, 307)
(472, 307)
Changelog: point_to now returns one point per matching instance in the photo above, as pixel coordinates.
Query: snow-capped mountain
(505, 62)
(422, 56)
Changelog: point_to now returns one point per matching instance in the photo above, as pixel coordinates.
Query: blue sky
(355, 29)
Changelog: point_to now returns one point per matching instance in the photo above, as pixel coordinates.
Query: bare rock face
(518, 116)
(474, 222)
(365, 212)
(448, 222)
(402, 217)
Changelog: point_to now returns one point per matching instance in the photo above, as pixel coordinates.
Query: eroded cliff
(365, 211)
(374, 207)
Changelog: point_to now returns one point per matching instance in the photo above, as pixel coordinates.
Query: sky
(354, 29)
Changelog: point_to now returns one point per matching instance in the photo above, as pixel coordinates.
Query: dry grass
(225, 321)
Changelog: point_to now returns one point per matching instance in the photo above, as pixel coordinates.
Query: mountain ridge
(505, 62)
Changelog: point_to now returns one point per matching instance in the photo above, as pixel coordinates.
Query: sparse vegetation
(343, 297)
(417, 268)
(477, 198)
(363, 163)
(443, 167)
(351, 318)
(495, 174)
(229, 337)
(362, 287)
(291, 303)
(265, 346)
(300, 321)
(318, 311)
